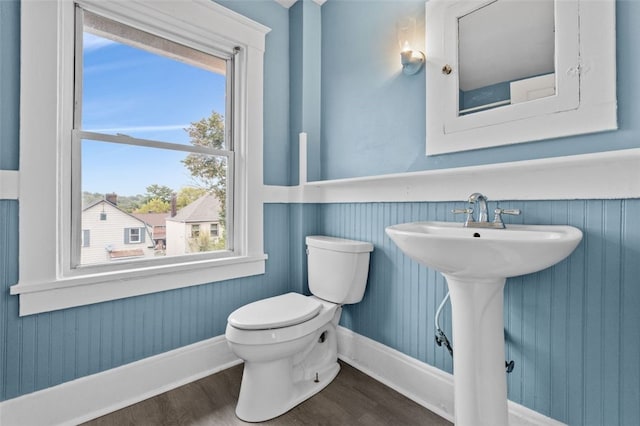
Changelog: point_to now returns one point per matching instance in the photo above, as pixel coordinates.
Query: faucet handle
(468, 211)
(513, 212)
(497, 219)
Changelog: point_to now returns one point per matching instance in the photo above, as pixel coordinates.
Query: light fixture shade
(412, 61)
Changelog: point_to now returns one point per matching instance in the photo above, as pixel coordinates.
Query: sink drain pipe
(441, 338)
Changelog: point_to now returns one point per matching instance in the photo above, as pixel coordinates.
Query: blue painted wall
(305, 86)
(572, 329)
(277, 149)
(374, 116)
(9, 83)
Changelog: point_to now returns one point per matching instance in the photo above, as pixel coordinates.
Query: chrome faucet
(482, 218)
(481, 200)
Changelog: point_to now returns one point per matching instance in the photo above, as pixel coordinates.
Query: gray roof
(204, 209)
(152, 219)
(108, 203)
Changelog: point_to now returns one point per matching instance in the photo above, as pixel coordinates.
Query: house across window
(158, 110)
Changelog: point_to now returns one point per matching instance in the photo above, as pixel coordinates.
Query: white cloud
(93, 42)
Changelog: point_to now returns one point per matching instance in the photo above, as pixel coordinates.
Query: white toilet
(288, 342)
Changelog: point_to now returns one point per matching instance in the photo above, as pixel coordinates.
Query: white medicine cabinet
(508, 71)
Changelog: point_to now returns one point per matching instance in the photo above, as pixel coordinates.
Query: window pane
(146, 87)
(144, 202)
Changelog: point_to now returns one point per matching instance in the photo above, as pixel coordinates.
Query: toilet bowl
(278, 371)
(288, 342)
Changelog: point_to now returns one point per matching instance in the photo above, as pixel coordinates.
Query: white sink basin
(476, 263)
(456, 251)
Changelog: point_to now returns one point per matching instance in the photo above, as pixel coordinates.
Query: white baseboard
(99, 394)
(428, 386)
(92, 396)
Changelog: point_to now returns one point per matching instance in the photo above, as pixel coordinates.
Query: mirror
(508, 71)
(505, 54)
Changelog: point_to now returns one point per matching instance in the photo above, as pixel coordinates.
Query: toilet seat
(275, 312)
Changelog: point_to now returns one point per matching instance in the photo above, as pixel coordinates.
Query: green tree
(208, 171)
(204, 242)
(89, 198)
(188, 195)
(130, 203)
(160, 192)
(155, 205)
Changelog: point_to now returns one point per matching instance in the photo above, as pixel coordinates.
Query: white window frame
(137, 233)
(46, 114)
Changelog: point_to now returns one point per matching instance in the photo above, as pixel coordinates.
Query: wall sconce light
(411, 60)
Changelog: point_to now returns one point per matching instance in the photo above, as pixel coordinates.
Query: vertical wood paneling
(575, 302)
(611, 287)
(592, 331)
(572, 329)
(8, 275)
(40, 351)
(629, 369)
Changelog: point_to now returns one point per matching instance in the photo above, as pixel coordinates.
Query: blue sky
(130, 91)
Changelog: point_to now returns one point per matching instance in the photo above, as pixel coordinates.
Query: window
(61, 138)
(155, 111)
(213, 230)
(132, 236)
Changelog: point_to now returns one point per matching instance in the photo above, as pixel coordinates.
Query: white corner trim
(428, 386)
(9, 184)
(288, 3)
(604, 175)
(111, 390)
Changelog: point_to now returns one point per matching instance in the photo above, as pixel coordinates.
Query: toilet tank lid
(338, 244)
(275, 312)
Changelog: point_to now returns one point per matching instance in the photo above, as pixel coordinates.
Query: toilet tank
(337, 268)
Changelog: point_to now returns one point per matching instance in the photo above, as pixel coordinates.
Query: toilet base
(268, 390)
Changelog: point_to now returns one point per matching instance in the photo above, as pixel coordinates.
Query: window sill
(64, 293)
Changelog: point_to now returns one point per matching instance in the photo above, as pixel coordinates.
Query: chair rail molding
(604, 175)
(9, 184)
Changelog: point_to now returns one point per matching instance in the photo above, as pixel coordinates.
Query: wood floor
(353, 398)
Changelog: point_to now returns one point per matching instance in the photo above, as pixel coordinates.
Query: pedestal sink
(475, 263)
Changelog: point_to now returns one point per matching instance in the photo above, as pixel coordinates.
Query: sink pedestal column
(479, 376)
